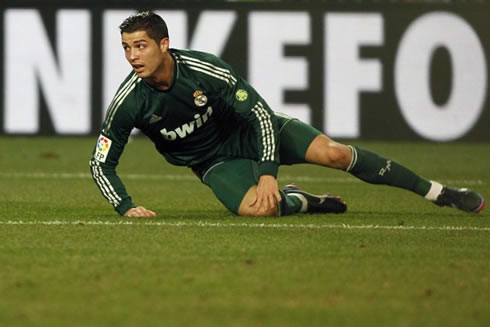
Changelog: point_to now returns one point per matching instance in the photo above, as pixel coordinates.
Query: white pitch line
(183, 177)
(248, 225)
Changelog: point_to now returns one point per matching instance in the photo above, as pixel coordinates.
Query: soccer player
(200, 113)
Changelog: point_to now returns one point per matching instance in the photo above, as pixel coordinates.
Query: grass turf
(198, 265)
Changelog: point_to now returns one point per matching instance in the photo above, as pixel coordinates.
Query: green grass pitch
(393, 259)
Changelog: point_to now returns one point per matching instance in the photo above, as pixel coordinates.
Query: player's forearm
(111, 186)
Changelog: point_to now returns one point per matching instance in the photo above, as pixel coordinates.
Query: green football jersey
(208, 114)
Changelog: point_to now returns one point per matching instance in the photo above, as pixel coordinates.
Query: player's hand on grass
(139, 212)
(267, 194)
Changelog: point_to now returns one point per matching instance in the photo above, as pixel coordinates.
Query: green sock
(374, 169)
(289, 204)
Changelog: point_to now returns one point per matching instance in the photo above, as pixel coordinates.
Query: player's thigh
(295, 139)
(230, 181)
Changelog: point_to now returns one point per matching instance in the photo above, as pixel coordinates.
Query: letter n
(32, 65)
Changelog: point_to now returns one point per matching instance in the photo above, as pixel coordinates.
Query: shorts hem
(209, 169)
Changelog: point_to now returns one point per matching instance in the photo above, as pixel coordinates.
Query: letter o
(469, 81)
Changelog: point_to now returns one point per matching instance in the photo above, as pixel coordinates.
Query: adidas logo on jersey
(155, 119)
(187, 128)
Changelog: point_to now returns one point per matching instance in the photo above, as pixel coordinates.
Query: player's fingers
(272, 201)
(149, 213)
(252, 203)
(146, 213)
(259, 203)
(278, 196)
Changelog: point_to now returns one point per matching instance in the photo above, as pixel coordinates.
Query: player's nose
(133, 54)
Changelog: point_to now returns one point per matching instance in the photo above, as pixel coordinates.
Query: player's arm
(245, 101)
(105, 158)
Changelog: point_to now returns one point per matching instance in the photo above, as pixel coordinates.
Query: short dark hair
(147, 21)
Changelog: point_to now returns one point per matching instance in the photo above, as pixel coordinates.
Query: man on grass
(200, 113)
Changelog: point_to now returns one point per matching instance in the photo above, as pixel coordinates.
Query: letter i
(198, 120)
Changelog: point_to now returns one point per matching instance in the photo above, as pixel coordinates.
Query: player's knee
(337, 155)
(324, 151)
(245, 209)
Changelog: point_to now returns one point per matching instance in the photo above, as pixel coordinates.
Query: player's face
(143, 53)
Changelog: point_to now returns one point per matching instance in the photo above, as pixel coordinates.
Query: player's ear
(164, 44)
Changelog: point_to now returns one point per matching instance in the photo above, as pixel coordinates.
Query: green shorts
(230, 179)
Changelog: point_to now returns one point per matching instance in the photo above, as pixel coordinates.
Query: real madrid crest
(200, 99)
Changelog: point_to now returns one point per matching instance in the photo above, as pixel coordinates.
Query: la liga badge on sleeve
(102, 148)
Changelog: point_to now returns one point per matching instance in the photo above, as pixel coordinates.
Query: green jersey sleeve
(116, 129)
(247, 103)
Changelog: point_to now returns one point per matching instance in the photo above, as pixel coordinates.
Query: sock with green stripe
(373, 168)
(290, 204)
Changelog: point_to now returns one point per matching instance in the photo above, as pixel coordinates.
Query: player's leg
(295, 139)
(374, 168)
(234, 182)
(364, 164)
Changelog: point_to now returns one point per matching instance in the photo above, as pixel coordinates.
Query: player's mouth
(138, 68)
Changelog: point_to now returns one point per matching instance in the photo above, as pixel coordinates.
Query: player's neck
(163, 78)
